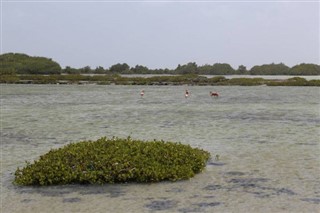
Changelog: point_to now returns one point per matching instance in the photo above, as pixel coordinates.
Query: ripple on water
(189, 210)
(253, 129)
(205, 205)
(45, 191)
(216, 164)
(71, 200)
(110, 190)
(246, 181)
(254, 186)
(235, 173)
(27, 200)
(158, 205)
(60, 191)
(213, 187)
(311, 200)
(199, 207)
(176, 190)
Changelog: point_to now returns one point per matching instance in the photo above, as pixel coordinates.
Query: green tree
(119, 68)
(216, 69)
(222, 69)
(190, 68)
(24, 64)
(205, 69)
(305, 69)
(139, 69)
(86, 69)
(270, 69)
(99, 70)
(242, 69)
(70, 70)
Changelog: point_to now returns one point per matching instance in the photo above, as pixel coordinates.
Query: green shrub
(245, 81)
(114, 160)
(314, 83)
(218, 79)
(296, 81)
(9, 79)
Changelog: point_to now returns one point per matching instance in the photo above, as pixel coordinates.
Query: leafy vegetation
(114, 160)
(270, 69)
(311, 69)
(246, 81)
(16, 63)
(296, 81)
(189, 79)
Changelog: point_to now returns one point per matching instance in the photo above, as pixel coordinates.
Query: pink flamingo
(142, 93)
(214, 94)
(186, 95)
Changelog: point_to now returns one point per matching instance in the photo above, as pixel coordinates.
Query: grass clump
(114, 160)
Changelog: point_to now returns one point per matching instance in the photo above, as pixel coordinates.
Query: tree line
(22, 64)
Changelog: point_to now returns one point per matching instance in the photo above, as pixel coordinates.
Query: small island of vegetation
(114, 160)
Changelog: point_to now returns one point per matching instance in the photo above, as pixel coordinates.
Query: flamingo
(186, 95)
(142, 93)
(214, 94)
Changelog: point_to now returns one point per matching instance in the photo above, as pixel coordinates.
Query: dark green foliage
(139, 69)
(114, 160)
(217, 69)
(190, 79)
(305, 69)
(246, 81)
(270, 69)
(9, 79)
(218, 80)
(190, 68)
(242, 70)
(282, 69)
(119, 68)
(16, 63)
(296, 81)
(70, 70)
(314, 83)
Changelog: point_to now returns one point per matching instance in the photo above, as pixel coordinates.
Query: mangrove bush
(114, 160)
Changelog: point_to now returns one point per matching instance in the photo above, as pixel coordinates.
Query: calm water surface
(267, 138)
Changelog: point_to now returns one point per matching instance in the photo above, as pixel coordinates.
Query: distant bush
(245, 81)
(114, 160)
(9, 79)
(314, 83)
(270, 69)
(190, 79)
(305, 69)
(295, 81)
(218, 79)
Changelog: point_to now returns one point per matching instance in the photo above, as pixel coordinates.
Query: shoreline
(195, 80)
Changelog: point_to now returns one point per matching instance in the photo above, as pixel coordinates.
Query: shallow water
(267, 139)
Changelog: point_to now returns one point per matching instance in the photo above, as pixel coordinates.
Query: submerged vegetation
(114, 160)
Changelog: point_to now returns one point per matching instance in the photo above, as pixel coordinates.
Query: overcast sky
(160, 34)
